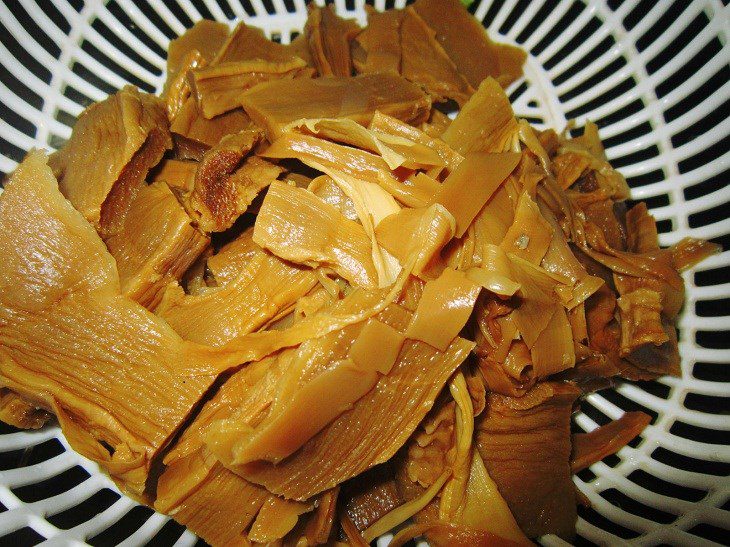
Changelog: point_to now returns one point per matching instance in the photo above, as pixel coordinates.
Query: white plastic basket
(653, 74)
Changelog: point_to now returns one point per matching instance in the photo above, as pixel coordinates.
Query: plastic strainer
(654, 75)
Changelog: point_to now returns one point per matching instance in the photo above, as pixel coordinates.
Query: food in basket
(291, 301)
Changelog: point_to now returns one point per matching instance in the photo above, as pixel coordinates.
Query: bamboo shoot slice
(478, 176)
(273, 105)
(296, 225)
(377, 346)
(445, 306)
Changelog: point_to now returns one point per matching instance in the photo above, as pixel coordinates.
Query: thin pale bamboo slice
(466, 42)
(425, 62)
(156, 245)
(298, 226)
(329, 38)
(218, 88)
(377, 48)
(273, 105)
(485, 123)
